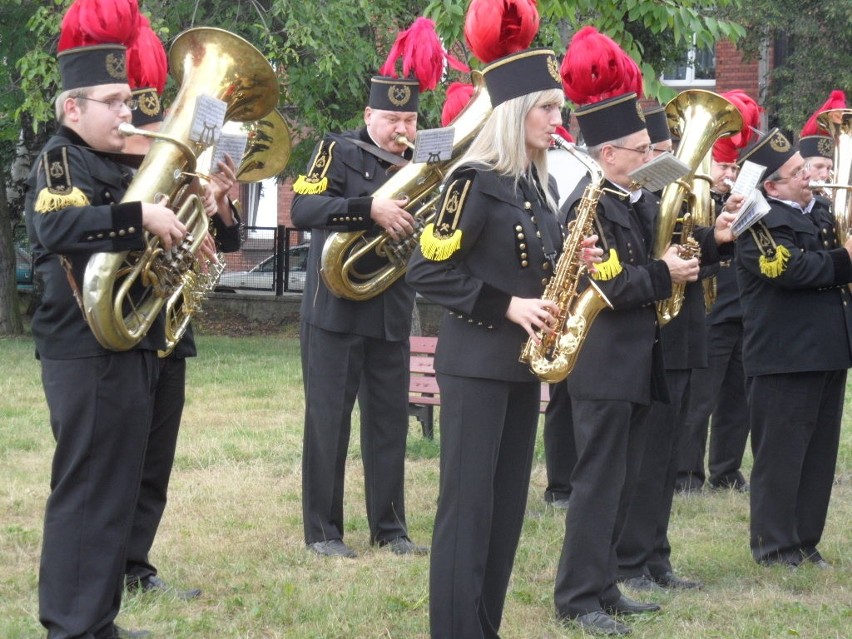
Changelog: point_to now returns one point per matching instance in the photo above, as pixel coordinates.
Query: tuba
(554, 357)
(699, 118)
(838, 123)
(124, 292)
(357, 267)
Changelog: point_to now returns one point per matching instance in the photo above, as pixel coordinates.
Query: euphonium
(123, 293)
(554, 357)
(699, 118)
(838, 123)
(358, 267)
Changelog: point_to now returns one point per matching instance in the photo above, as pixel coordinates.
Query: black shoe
(640, 582)
(559, 504)
(731, 482)
(627, 606)
(121, 633)
(600, 623)
(781, 559)
(811, 555)
(332, 548)
(154, 584)
(671, 580)
(404, 546)
(688, 484)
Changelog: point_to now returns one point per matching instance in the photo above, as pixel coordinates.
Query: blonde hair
(501, 144)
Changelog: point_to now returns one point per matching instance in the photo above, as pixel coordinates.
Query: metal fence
(271, 259)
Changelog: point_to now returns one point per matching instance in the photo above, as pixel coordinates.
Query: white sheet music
(662, 170)
(748, 178)
(433, 145)
(234, 144)
(207, 120)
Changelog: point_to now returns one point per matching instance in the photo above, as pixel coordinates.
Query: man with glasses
(619, 369)
(797, 348)
(99, 400)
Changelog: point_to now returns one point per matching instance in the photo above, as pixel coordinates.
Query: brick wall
(732, 72)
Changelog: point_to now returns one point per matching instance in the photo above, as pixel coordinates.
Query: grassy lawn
(233, 528)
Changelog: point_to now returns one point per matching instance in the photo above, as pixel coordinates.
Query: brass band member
(491, 251)
(797, 348)
(99, 400)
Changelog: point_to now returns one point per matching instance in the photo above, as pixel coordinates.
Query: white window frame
(690, 80)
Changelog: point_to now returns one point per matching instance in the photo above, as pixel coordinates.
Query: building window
(696, 68)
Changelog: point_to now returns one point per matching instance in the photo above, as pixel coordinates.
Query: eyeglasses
(113, 105)
(642, 150)
(798, 175)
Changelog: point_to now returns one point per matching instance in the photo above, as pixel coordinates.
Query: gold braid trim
(49, 201)
(438, 249)
(443, 237)
(774, 257)
(316, 180)
(609, 269)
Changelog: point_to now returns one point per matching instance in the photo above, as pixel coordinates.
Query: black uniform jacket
(72, 209)
(504, 233)
(346, 177)
(796, 305)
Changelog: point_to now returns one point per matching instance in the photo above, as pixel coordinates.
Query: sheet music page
(754, 207)
(234, 144)
(748, 178)
(662, 170)
(207, 120)
(433, 145)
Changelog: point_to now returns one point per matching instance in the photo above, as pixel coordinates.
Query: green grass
(233, 527)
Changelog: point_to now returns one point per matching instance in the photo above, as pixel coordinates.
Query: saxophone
(554, 357)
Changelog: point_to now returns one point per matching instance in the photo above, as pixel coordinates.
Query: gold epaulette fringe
(438, 249)
(307, 186)
(49, 201)
(776, 264)
(609, 269)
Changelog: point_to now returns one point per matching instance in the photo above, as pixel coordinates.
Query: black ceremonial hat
(394, 94)
(771, 150)
(522, 73)
(92, 65)
(657, 124)
(817, 145)
(610, 119)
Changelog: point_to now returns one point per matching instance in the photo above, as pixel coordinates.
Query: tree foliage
(815, 36)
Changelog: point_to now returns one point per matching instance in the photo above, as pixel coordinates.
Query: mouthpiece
(560, 142)
(728, 182)
(401, 139)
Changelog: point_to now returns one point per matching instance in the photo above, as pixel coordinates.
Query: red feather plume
(147, 62)
(90, 22)
(727, 149)
(458, 95)
(593, 68)
(837, 100)
(422, 54)
(495, 28)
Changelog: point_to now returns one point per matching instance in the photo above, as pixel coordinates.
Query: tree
(815, 37)
(325, 52)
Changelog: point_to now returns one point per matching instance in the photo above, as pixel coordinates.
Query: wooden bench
(423, 392)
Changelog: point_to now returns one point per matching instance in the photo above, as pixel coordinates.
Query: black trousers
(487, 442)
(610, 438)
(560, 451)
(337, 367)
(643, 546)
(100, 414)
(169, 399)
(719, 390)
(795, 422)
